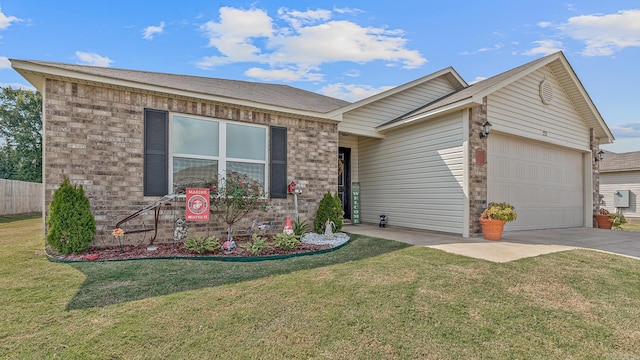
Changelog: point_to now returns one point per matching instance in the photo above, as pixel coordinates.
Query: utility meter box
(621, 198)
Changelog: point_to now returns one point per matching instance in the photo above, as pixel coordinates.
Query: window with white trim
(208, 149)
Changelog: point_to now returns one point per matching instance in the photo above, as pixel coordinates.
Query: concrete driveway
(514, 244)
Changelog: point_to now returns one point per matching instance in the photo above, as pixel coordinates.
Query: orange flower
(117, 232)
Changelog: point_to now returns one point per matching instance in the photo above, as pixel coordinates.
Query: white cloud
(18, 86)
(5, 21)
(352, 73)
(351, 92)
(93, 59)
(477, 79)
(544, 47)
(544, 24)
(299, 18)
(626, 130)
(150, 31)
(301, 40)
(283, 74)
(494, 47)
(603, 35)
(4, 62)
(346, 10)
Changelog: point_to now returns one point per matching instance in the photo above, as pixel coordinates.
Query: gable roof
(449, 73)
(613, 162)
(271, 96)
(474, 94)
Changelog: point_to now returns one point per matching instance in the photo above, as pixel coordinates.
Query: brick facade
(477, 172)
(94, 136)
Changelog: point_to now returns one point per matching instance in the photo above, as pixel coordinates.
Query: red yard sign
(197, 204)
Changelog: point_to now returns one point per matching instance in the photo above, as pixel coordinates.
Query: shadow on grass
(109, 283)
(5, 219)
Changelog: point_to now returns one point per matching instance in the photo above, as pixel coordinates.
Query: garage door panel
(543, 182)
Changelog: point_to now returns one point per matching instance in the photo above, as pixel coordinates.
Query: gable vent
(546, 92)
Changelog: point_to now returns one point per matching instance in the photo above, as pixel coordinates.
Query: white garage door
(544, 183)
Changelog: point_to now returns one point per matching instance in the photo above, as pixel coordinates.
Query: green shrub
(201, 245)
(617, 220)
(287, 241)
(330, 208)
(257, 244)
(70, 223)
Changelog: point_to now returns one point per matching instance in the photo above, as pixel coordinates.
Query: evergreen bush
(70, 223)
(330, 208)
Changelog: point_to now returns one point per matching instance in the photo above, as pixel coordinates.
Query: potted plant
(603, 219)
(494, 217)
(607, 220)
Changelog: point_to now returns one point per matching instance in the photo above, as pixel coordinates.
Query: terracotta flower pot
(492, 229)
(604, 222)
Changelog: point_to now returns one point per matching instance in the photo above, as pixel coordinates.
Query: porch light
(600, 155)
(486, 129)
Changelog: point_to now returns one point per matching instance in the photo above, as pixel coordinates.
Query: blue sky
(347, 49)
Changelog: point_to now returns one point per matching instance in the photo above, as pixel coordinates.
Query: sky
(346, 49)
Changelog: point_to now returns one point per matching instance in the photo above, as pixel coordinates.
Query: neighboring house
(415, 150)
(620, 183)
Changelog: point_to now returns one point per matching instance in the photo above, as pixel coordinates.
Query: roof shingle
(270, 94)
(620, 161)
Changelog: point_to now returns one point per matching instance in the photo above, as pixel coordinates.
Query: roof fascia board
(619, 170)
(397, 89)
(583, 92)
(511, 79)
(464, 103)
(19, 65)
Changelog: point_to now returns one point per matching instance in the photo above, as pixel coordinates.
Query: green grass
(631, 227)
(373, 299)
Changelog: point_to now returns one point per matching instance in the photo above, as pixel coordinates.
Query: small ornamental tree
(70, 223)
(330, 208)
(238, 196)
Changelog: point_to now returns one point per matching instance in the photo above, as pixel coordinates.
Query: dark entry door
(344, 181)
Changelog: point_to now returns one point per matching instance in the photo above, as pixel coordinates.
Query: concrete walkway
(515, 244)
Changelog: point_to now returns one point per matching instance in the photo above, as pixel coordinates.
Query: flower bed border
(207, 258)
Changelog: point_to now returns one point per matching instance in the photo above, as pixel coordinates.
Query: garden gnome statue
(288, 229)
(328, 229)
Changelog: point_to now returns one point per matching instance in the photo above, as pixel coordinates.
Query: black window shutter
(278, 162)
(156, 152)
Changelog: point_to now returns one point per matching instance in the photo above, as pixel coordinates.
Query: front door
(344, 180)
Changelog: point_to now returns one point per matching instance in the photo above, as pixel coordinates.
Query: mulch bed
(130, 252)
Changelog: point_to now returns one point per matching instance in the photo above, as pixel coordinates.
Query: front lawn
(631, 227)
(373, 299)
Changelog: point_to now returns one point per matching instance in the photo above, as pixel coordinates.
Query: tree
(330, 208)
(238, 196)
(70, 223)
(20, 134)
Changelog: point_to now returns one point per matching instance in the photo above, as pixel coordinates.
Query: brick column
(477, 173)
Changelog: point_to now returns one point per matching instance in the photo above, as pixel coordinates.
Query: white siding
(517, 109)
(623, 180)
(351, 142)
(544, 183)
(363, 120)
(415, 176)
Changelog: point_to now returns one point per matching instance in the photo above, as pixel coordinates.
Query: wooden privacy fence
(20, 197)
